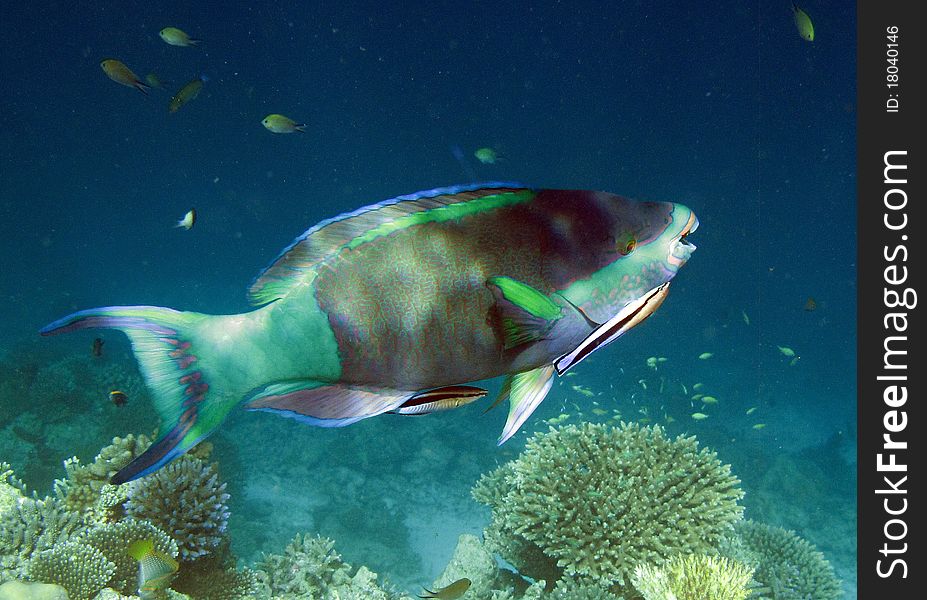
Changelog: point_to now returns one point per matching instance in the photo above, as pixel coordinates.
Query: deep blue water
(720, 106)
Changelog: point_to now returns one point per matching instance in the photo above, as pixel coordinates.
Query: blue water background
(720, 106)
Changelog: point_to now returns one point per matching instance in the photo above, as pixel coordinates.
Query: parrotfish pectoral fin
(628, 317)
(439, 399)
(326, 405)
(525, 314)
(164, 343)
(528, 390)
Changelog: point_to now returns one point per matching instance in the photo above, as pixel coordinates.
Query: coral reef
(311, 568)
(79, 537)
(34, 525)
(112, 539)
(80, 569)
(86, 488)
(592, 502)
(186, 500)
(694, 577)
(786, 566)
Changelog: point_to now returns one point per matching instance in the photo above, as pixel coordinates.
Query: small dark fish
(118, 398)
(810, 304)
(97, 348)
(451, 592)
(186, 94)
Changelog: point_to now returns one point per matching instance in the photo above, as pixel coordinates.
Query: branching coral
(80, 569)
(694, 577)
(33, 525)
(186, 500)
(84, 485)
(113, 540)
(788, 567)
(594, 501)
(311, 568)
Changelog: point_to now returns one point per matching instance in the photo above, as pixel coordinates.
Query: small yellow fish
(599, 411)
(280, 124)
(176, 37)
(188, 220)
(487, 156)
(698, 386)
(583, 390)
(759, 425)
(697, 396)
(746, 318)
(803, 24)
(449, 592)
(155, 569)
(652, 362)
(794, 361)
(186, 94)
(699, 416)
(751, 410)
(705, 355)
(669, 418)
(118, 72)
(786, 351)
(709, 400)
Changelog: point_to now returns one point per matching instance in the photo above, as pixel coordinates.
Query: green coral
(694, 577)
(187, 501)
(786, 566)
(80, 569)
(592, 502)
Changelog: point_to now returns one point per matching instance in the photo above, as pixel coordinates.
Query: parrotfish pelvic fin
(163, 341)
(528, 390)
(525, 314)
(325, 405)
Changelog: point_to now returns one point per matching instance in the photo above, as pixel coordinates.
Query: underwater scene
(477, 300)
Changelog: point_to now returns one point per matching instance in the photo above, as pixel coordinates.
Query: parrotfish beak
(681, 248)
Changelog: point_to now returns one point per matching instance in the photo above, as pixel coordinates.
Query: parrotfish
(373, 310)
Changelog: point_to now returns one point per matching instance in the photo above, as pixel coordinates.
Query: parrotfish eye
(628, 248)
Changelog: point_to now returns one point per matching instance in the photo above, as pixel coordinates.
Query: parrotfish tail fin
(301, 127)
(194, 41)
(141, 87)
(164, 341)
(526, 392)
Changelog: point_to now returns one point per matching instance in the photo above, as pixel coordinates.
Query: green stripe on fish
(394, 307)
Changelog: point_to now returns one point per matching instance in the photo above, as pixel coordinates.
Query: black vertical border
(885, 254)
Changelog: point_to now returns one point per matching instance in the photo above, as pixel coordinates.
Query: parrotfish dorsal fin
(327, 238)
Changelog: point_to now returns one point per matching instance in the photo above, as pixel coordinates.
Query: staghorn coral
(787, 567)
(311, 568)
(33, 525)
(186, 500)
(80, 569)
(592, 502)
(86, 488)
(694, 577)
(113, 539)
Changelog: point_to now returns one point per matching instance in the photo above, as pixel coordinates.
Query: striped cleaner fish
(395, 305)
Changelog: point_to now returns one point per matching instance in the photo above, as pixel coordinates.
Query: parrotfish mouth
(682, 248)
(629, 316)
